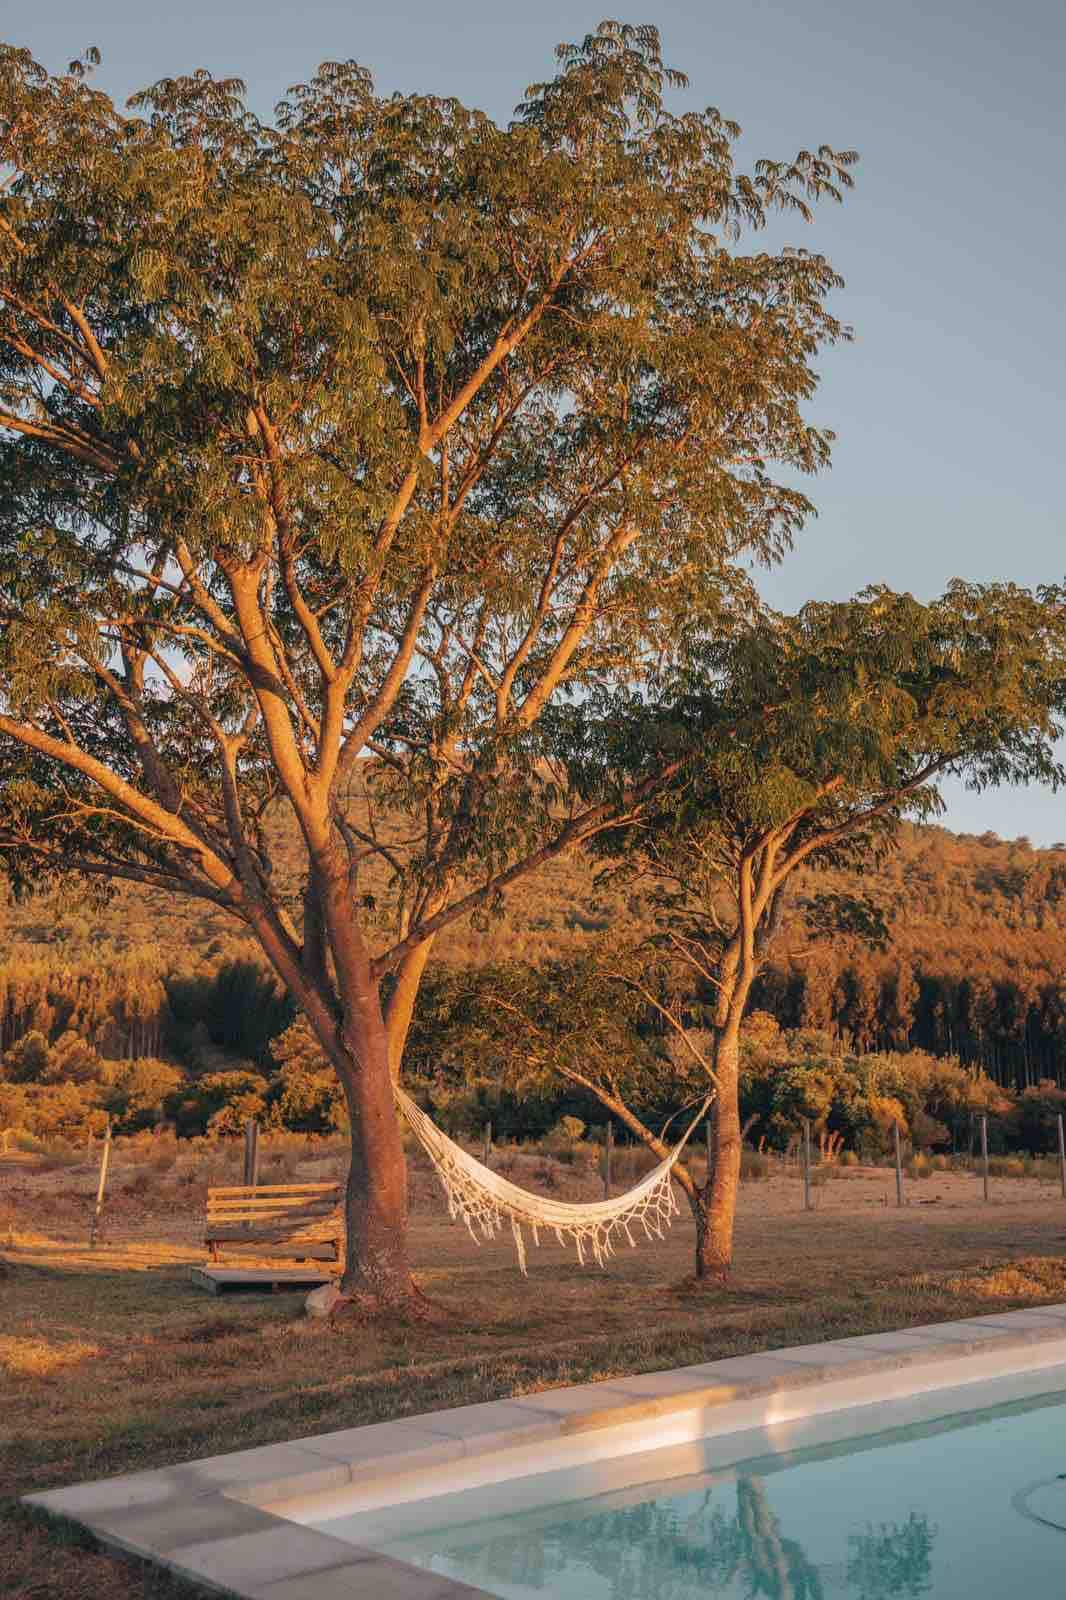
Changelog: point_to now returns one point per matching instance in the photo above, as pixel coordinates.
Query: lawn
(111, 1361)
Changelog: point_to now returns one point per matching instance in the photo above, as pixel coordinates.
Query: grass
(111, 1361)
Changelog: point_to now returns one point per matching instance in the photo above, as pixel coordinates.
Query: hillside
(975, 965)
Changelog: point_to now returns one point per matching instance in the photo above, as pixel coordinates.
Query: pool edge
(209, 1520)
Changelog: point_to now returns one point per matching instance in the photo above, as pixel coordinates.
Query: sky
(948, 406)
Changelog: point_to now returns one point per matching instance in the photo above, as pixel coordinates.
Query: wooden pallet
(263, 1280)
(301, 1220)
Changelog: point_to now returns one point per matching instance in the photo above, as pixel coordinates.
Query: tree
(305, 1093)
(219, 1102)
(811, 737)
(139, 1092)
(336, 453)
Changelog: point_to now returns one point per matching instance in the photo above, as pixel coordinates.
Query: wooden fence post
(487, 1148)
(899, 1167)
(105, 1158)
(984, 1151)
(608, 1151)
(806, 1166)
(251, 1153)
(1062, 1158)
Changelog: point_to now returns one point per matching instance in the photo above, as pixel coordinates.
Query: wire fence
(153, 1188)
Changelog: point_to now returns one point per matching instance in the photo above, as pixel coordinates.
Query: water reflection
(694, 1547)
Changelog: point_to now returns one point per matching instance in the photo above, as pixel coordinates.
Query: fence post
(608, 1150)
(487, 1150)
(899, 1167)
(105, 1158)
(1062, 1158)
(251, 1153)
(984, 1151)
(806, 1165)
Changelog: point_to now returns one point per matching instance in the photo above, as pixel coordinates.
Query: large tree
(334, 450)
(800, 740)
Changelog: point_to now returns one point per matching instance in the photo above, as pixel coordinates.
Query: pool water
(964, 1505)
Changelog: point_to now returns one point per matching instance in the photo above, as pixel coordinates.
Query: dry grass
(41, 1358)
(112, 1360)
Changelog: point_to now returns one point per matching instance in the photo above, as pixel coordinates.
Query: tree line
(970, 963)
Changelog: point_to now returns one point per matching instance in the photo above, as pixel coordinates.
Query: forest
(145, 1010)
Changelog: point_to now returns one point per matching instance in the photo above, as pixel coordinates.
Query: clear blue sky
(949, 405)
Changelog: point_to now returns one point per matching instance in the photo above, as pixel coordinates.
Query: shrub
(564, 1141)
(220, 1102)
(139, 1092)
(571, 1128)
(1036, 1117)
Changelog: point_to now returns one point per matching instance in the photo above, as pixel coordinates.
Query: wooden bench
(300, 1219)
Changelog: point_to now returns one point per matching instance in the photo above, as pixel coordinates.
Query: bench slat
(276, 1202)
(287, 1219)
(282, 1235)
(235, 1191)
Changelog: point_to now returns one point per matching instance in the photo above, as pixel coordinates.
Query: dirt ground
(112, 1360)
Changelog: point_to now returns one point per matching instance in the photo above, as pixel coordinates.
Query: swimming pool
(921, 1499)
(927, 1461)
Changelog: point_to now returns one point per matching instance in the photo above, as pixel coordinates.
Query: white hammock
(484, 1199)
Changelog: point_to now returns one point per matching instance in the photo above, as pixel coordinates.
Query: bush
(571, 1128)
(754, 1166)
(220, 1102)
(140, 1090)
(564, 1141)
(1036, 1117)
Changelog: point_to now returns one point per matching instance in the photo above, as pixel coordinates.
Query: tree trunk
(699, 1201)
(376, 1265)
(401, 1008)
(714, 1239)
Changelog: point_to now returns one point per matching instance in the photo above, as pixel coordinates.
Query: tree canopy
(365, 432)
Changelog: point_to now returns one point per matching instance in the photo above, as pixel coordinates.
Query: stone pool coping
(209, 1520)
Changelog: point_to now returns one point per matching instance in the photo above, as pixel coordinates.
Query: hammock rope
(485, 1200)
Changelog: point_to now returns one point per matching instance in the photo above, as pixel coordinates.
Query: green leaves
(808, 738)
(353, 457)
